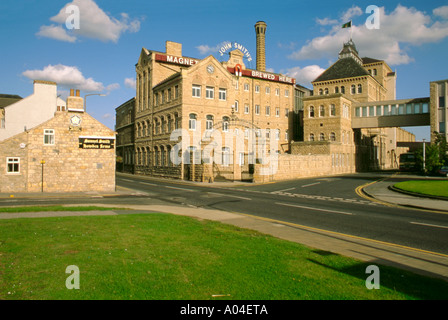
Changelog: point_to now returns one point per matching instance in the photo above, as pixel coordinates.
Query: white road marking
(311, 184)
(228, 195)
(283, 190)
(127, 180)
(430, 225)
(149, 184)
(311, 208)
(184, 189)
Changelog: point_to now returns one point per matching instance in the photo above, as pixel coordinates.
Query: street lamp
(424, 155)
(91, 94)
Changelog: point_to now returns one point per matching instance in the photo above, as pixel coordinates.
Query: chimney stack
(75, 102)
(260, 30)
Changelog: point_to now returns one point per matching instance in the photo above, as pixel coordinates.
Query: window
(237, 108)
(246, 109)
(277, 112)
(359, 88)
(268, 90)
(311, 136)
(336, 89)
(332, 110)
(353, 89)
(169, 95)
(277, 91)
(176, 92)
(246, 87)
(286, 93)
(163, 96)
(257, 89)
(48, 137)
(277, 134)
(209, 122)
(286, 135)
(311, 112)
(209, 93)
(342, 89)
(196, 91)
(321, 111)
(225, 156)
(268, 110)
(225, 124)
(12, 165)
(192, 122)
(332, 136)
(375, 72)
(222, 94)
(321, 92)
(326, 91)
(257, 109)
(322, 137)
(286, 112)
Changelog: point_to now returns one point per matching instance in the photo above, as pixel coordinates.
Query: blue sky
(303, 38)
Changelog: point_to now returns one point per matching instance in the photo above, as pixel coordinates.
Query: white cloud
(441, 12)
(113, 86)
(94, 24)
(205, 49)
(66, 76)
(305, 75)
(130, 83)
(385, 43)
(326, 21)
(354, 11)
(55, 32)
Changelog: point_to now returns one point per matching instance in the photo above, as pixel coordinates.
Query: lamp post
(42, 162)
(91, 94)
(424, 156)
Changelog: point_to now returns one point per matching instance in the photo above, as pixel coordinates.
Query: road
(325, 203)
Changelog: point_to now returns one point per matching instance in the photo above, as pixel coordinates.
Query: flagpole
(351, 30)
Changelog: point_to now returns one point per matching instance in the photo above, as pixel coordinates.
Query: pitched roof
(343, 68)
(8, 99)
(367, 60)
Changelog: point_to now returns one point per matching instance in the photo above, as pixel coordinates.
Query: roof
(343, 68)
(8, 99)
(367, 60)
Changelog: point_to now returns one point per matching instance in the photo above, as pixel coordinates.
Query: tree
(435, 154)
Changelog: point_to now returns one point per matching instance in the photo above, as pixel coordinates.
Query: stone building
(69, 152)
(124, 127)
(328, 114)
(439, 108)
(206, 119)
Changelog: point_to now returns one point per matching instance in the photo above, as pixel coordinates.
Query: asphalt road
(326, 203)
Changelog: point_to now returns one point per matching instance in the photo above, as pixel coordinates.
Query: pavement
(374, 252)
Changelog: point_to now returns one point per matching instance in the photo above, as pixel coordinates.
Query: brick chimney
(75, 102)
(260, 31)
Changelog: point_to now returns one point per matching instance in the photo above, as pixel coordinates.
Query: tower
(260, 30)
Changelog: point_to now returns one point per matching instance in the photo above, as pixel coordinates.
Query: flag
(347, 25)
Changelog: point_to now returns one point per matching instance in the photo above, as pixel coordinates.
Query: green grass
(162, 256)
(53, 208)
(427, 187)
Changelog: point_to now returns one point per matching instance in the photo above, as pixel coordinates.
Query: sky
(93, 45)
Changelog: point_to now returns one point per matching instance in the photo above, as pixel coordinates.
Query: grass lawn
(163, 256)
(53, 208)
(429, 187)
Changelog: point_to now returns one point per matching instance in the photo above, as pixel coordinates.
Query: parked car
(443, 171)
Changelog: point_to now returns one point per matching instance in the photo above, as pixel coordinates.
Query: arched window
(336, 89)
(332, 136)
(225, 156)
(332, 110)
(343, 89)
(192, 121)
(311, 112)
(326, 91)
(359, 88)
(322, 136)
(311, 136)
(225, 124)
(321, 111)
(209, 122)
(321, 92)
(353, 89)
